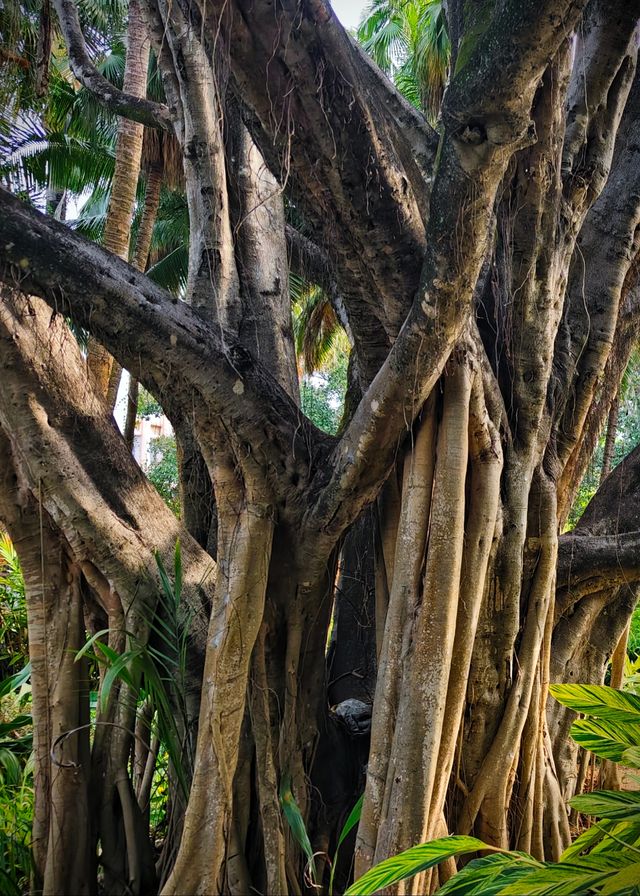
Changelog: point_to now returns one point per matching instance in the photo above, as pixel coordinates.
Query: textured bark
(610, 441)
(486, 276)
(111, 539)
(61, 821)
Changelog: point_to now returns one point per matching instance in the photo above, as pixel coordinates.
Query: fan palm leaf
(408, 39)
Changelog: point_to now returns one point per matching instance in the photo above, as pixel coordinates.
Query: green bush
(163, 470)
(16, 783)
(13, 608)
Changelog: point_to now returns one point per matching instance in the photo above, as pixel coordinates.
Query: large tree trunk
(62, 822)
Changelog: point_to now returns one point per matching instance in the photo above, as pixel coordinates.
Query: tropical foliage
(604, 860)
(13, 611)
(408, 39)
(155, 671)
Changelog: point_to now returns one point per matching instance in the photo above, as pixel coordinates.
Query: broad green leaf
(15, 724)
(414, 860)
(350, 823)
(564, 879)
(608, 804)
(588, 839)
(599, 701)
(619, 837)
(15, 682)
(607, 739)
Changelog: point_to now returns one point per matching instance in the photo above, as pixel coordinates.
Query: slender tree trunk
(610, 441)
(117, 232)
(140, 260)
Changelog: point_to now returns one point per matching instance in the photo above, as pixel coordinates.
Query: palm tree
(319, 336)
(123, 193)
(162, 163)
(408, 39)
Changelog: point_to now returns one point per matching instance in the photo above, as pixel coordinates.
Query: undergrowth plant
(604, 860)
(13, 608)
(16, 783)
(155, 671)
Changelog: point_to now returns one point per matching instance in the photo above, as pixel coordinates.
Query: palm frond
(317, 331)
(171, 270)
(408, 39)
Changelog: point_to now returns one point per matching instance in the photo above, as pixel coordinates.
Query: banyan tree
(381, 610)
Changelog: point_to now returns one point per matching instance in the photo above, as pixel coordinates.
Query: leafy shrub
(163, 470)
(604, 860)
(16, 783)
(13, 609)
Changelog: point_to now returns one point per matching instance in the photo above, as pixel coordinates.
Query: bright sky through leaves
(349, 11)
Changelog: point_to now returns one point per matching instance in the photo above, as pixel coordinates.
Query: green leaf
(599, 701)
(587, 840)
(104, 632)
(15, 724)
(628, 877)
(608, 804)
(615, 835)
(11, 765)
(350, 823)
(631, 757)
(177, 573)
(487, 876)
(15, 682)
(561, 879)
(414, 860)
(119, 669)
(606, 739)
(294, 818)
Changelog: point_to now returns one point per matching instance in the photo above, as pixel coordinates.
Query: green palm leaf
(608, 804)
(413, 861)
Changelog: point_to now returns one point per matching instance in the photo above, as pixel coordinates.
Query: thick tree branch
(604, 549)
(349, 148)
(592, 563)
(605, 52)
(607, 245)
(484, 126)
(152, 114)
(73, 459)
(163, 342)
